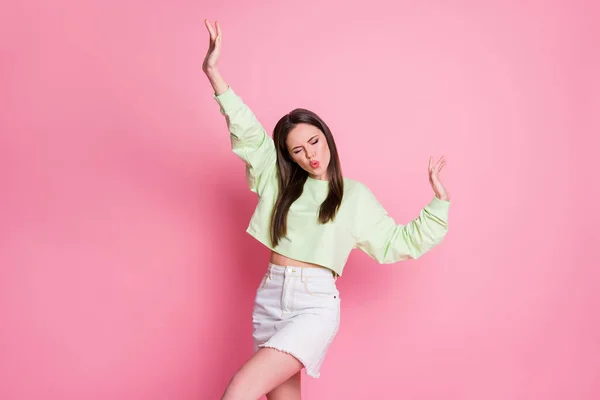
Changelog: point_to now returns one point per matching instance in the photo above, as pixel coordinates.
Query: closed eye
(298, 150)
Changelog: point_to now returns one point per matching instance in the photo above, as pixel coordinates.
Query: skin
(307, 143)
(270, 371)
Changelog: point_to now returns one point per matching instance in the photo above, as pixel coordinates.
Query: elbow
(437, 240)
(425, 247)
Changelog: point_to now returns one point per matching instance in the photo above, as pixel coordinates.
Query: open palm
(434, 178)
(211, 60)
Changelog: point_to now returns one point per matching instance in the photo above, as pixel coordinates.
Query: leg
(263, 372)
(288, 390)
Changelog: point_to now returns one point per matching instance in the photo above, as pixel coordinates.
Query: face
(308, 148)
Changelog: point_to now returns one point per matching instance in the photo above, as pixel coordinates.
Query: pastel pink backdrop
(125, 269)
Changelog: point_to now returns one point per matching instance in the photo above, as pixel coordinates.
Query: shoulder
(354, 185)
(362, 201)
(356, 189)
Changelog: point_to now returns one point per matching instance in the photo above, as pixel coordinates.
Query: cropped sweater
(361, 221)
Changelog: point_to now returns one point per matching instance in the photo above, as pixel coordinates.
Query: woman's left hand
(434, 178)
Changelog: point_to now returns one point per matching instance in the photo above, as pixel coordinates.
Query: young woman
(310, 217)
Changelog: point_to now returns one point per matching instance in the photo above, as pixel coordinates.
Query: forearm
(216, 80)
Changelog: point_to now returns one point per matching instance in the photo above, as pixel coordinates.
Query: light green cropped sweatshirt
(361, 221)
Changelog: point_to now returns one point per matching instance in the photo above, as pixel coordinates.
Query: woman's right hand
(211, 60)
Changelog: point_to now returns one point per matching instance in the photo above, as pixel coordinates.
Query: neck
(323, 177)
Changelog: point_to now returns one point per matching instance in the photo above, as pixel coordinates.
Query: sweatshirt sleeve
(387, 242)
(249, 140)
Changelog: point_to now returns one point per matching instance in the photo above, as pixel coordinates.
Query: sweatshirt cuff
(228, 101)
(439, 208)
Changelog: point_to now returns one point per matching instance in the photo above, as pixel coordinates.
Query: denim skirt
(297, 311)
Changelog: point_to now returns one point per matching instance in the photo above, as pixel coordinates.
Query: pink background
(125, 269)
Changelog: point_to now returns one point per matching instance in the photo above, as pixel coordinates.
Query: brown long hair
(292, 177)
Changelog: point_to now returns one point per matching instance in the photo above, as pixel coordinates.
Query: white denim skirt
(297, 311)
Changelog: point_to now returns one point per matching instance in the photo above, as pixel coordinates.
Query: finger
(439, 162)
(441, 165)
(218, 29)
(211, 43)
(210, 29)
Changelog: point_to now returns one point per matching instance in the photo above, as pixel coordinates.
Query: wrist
(211, 72)
(443, 198)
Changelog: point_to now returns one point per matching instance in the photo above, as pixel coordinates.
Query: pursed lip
(315, 164)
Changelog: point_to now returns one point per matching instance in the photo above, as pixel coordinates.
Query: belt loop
(270, 272)
(303, 274)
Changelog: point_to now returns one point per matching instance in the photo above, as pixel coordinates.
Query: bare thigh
(288, 390)
(263, 372)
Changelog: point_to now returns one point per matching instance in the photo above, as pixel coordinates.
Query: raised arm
(387, 242)
(249, 140)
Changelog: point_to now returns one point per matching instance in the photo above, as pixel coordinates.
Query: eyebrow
(294, 148)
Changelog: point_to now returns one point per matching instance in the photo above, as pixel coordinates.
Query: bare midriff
(279, 259)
